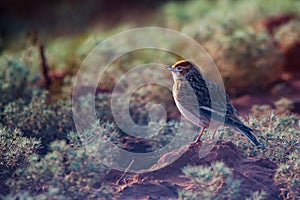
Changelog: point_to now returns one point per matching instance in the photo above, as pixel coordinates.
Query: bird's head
(181, 68)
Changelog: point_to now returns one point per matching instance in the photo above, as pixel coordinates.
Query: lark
(192, 94)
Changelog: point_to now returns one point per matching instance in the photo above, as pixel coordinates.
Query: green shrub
(164, 135)
(213, 182)
(241, 12)
(288, 35)
(64, 172)
(15, 150)
(102, 106)
(280, 136)
(258, 195)
(288, 177)
(246, 60)
(24, 106)
(96, 137)
(15, 81)
(39, 119)
(103, 110)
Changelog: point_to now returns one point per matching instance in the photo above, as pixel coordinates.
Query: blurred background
(254, 44)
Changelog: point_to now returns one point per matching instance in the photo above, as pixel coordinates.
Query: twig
(44, 67)
(117, 183)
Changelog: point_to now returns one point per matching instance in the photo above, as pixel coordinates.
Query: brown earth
(288, 89)
(254, 174)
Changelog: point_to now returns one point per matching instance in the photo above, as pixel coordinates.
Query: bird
(191, 93)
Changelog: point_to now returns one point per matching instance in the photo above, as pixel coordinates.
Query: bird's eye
(179, 68)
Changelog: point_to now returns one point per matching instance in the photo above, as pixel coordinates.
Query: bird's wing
(211, 113)
(201, 96)
(220, 101)
(222, 117)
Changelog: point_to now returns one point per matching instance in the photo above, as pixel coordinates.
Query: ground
(255, 174)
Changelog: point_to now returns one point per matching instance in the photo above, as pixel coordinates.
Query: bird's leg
(214, 133)
(199, 136)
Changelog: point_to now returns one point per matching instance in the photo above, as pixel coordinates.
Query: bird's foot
(195, 142)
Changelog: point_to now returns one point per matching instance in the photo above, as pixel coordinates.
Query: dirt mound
(254, 174)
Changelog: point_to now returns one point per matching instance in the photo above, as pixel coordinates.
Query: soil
(288, 89)
(254, 174)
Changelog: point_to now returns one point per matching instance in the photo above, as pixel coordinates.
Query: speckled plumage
(200, 99)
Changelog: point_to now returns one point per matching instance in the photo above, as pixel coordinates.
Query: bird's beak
(169, 67)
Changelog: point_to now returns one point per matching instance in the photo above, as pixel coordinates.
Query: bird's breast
(186, 102)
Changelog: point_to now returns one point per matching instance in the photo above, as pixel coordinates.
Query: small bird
(191, 92)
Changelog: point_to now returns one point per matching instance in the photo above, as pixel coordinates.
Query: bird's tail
(245, 130)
